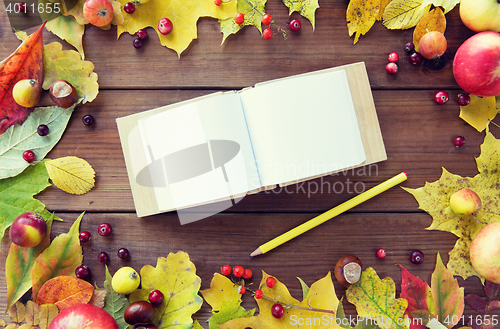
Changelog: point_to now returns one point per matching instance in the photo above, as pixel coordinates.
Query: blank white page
(302, 126)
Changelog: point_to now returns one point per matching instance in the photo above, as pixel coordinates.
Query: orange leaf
(65, 291)
(434, 20)
(24, 63)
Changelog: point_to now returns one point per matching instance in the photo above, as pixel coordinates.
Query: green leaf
(197, 325)
(18, 139)
(252, 17)
(230, 309)
(67, 28)
(18, 267)
(446, 4)
(175, 276)
(306, 8)
(16, 195)
(448, 296)
(305, 288)
(376, 299)
(404, 14)
(62, 257)
(115, 303)
(344, 322)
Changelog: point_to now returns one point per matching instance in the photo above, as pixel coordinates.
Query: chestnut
(62, 93)
(348, 270)
(140, 312)
(145, 326)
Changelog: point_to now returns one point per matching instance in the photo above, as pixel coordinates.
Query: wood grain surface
(417, 133)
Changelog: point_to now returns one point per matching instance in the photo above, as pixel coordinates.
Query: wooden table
(417, 133)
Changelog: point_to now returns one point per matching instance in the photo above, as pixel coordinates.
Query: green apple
(485, 252)
(465, 202)
(481, 15)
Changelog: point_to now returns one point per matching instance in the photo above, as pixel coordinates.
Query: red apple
(98, 12)
(83, 316)
(485, 252)
(481, 15)
(432, 45)
(28, 230)
(476, 66)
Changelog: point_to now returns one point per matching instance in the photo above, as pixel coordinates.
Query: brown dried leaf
(434, 20)
(47, 313)
(32, 310)
(65, 291)
(98, 298)
(17, 312)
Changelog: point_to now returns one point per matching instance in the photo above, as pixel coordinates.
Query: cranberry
(277, 311)
(129, 8)
(459, 141)
(417, 257)
(82, 272)
(104, 229)
(441, 97)
(156, 298)
(391, 68)
(42, 130)
(88, 120)
(29, 156)
(393, 57)
(84, 236)
(295, 25)
(123, 253)
(415, 58)
(410, 47)
(381, 253)
(142, 34)
(463, 99)
(137, 43)
(102, 257)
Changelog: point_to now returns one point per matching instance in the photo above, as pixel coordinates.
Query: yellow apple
(485, 252)
(481, 15)
(465, 202)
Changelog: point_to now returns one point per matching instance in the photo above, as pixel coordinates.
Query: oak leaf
(175, 276)
(71, 174)
(114, 303)
(25, 63)
(184, 15)
(479, 112)
(434, 198)
(321, 296)
(253, 17)
(306, 8)
(62, 257)
(65, 291)
(345, 322)
(404, 14)
(375, 299)
(361, 15)
(434, 20)
(67, 28)
(18, 267)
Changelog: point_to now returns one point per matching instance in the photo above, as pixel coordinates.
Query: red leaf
(479, 304)
(418, 294)
(24, 63)
(65, 291)
(491, 289)
(493, 306)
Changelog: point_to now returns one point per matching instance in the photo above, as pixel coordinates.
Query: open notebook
(227, 144)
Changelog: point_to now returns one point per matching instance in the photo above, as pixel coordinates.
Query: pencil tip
(256, 252)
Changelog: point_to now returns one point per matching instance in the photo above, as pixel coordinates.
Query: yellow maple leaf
(71, 174)
(383, 5)
(306, 8)
(360, 16)
(221, 289)
(321, 295)
(479, 112)
(252, 17)
(434, 20)
(184, 15)
(434, 198)
(404, 14)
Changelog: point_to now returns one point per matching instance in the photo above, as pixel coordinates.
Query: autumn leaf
(383, 5)
(98, 298)
(175, 276)
(252, 18)
(65, 291)
(67, 65)
(17, 312)
(67, 28)
(376, 299)
(71, 174)
(18, 139)
(321, 296)
(404, 14)
(18, 267)
(305, 288)
(25, 63)
(184, 15)
(62, 257)
(446, 4)
(361, 15)
(16, 195)
(479, 112)
(46, 314)
(32, 310)
(432, 21)
(306, 8)
(345, 322)
(434, 198)
(114, 303)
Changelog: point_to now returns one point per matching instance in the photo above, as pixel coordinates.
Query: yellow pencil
(330, 214)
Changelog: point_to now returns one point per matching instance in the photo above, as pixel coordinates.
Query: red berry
(267, 34)
(241, 290)
(82, 272)
(415, 58)
(226, 270)
(123, 253)
(409, 47)
(266, 19)
(459, 141)
(218, 2)
(239, 18)
(258, 294)
(84, 236)
(156, 298)
(42, 130)
(238, 271)
(129, 8)
(88, 120)
(104, 229)
(441, 97)
(277, 311)
(142, 34)
(247, 274)
(28, 156)
(393, 57)
(270, 282)
(391, 68)
(381, 253)
(295, 25)
(102, 257)
(417, 257)
(463, 99)
(137, 43)
(165, 26)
